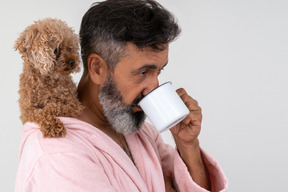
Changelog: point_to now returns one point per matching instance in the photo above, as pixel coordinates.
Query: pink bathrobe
(88, 160)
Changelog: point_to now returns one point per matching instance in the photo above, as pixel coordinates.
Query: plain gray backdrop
(231, 57)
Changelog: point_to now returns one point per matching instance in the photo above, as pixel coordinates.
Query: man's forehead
(152, 66)
(131, 47)
(138, 58)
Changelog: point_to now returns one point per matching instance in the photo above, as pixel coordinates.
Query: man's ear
(97, 68)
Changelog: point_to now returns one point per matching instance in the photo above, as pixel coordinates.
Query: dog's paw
(54, 128)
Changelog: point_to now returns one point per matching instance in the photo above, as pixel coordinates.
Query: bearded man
(110, 147)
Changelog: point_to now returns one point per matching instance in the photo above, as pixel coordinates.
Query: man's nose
(150, 86)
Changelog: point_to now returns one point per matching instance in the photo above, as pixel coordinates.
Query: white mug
(164, 107)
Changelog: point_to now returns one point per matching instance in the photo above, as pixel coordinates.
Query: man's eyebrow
(148, 66)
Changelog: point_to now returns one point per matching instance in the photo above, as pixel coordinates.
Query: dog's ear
(25, 40)
(34, 45)
(42, 53)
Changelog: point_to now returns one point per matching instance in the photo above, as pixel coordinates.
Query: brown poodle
(50, 51)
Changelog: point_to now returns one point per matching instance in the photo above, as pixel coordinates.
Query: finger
(168, 181)
(193, 117)
(195, 114)
(192, 121)
(185, 97)
(181, 91)
(168, 174)
(191, 103)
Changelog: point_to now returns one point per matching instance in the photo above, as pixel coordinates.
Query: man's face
(134, 76)
(120, 116)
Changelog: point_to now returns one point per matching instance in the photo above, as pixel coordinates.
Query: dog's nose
(71, 63)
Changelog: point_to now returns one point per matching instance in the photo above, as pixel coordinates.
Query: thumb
(168, 181)
(168, 174)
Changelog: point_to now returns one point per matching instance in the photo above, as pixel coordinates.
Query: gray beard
(119, 115)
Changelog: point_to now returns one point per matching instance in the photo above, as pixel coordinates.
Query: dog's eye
(56, 51)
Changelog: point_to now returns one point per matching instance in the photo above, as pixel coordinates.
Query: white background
(231, 57)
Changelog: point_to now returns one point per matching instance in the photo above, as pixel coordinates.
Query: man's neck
(89, 117)
(93, 113)
(88, 95)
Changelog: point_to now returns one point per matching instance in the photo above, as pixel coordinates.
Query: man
(124, 46)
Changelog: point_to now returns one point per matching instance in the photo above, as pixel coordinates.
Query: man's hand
(187, 131)
(186, 138)
(168, 182)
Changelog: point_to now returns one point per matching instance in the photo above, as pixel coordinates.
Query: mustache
(136, 101)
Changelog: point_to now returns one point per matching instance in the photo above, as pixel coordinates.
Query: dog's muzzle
(71, 63)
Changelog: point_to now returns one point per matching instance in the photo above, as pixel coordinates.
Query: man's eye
(143, 73)
(159, 72)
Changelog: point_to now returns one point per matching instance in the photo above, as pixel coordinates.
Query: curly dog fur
(50, 53)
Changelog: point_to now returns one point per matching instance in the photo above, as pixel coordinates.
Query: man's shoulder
(75, 141)
(39, 154)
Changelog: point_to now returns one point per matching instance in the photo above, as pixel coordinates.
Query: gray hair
(107, 27)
